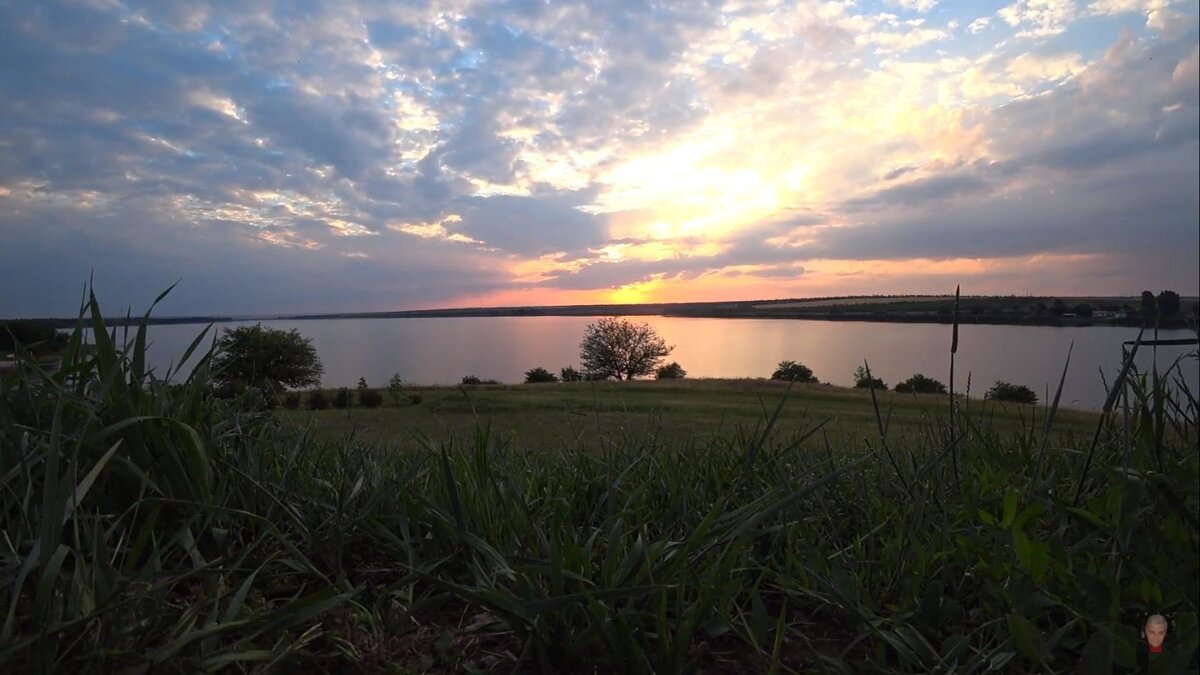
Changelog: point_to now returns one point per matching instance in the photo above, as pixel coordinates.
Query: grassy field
(589, 414)
(694, 527)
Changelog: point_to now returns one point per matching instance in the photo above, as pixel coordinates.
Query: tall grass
(150, 527)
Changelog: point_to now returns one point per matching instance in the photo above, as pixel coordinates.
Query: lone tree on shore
(267, 358)
(618, 348)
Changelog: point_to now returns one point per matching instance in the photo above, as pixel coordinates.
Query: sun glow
(631, 294)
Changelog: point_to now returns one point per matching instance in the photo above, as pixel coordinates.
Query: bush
(539, 375)
(671, 371)
(415, 399)
(30, 334)
(1015, 393)
(471, 379)
(793, 371)
(569, 374)
(369, 398)
(342, 398)
(919, 384)
(318, 399)
(863, 380)
(291, 400)
(395, 388)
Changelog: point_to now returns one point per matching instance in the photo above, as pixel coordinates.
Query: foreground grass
(148, 527)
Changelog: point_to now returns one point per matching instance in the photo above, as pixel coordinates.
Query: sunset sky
(314, 156)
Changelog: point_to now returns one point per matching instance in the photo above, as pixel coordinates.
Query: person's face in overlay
(1155, 634)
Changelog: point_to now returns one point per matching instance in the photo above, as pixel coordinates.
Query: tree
(921, 384)
(395, 388)
(1007, 391)
(617, 348)
(793, 371)
(569, 374)
(864, 380)
(267, 358)
(671, 371)
(1148, 302)
(539, 375)
(1168, 303)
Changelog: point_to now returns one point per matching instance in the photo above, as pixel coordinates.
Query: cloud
(420, 153)
(978, 25)
(1039, 18)
(915, 5)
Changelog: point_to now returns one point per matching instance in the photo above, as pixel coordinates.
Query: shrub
(415, 399)
(791, 370)
(1007, 391)
(863, 380)
(569, 374)
(471, 379)
(291, 400)
(28, 333)
(919, 384)
(671, 371)
(539, 375)
(395, 387)
(318, 399)
(342, 398)
(369, 398)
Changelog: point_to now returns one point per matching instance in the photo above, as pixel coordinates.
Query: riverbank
(555, 415)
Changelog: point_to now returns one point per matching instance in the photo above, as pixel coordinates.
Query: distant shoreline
(987, 310)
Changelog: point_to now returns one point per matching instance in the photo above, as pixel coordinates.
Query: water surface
(443, 350)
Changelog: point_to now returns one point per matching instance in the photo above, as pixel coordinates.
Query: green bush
(471, 379)
(31, 334)
(1016, 393)
(539, 375)
(342, 398)
(791, 370)
(919, 384)
(291, 400)
(671, 371)
(318, 400)
(569, 374)
(863, 380)
(369, 398)
(415, 399)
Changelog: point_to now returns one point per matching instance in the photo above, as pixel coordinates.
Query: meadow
(719, 527)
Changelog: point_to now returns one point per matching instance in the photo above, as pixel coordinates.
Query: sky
(308, 156)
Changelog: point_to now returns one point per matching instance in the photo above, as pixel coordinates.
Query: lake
(443, 350)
